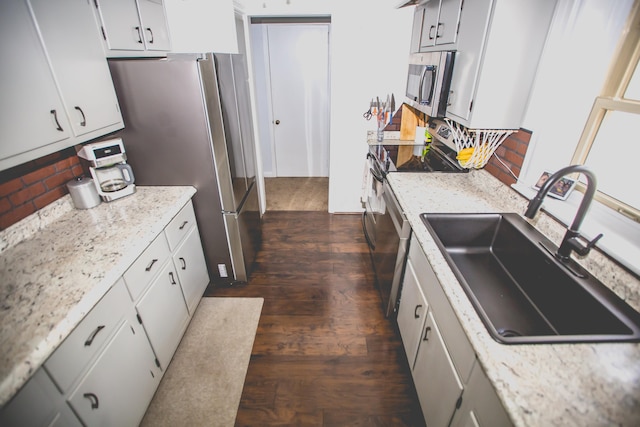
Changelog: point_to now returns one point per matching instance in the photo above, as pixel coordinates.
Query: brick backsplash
(511, 152)
(31, 186)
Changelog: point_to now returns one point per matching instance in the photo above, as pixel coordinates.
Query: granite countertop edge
(559, 384)
(137, 229)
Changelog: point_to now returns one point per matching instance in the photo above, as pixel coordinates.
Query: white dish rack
(484, 143)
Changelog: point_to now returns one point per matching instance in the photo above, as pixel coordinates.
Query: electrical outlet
(222, 269)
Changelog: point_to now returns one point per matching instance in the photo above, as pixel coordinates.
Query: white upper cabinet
(56, 86)
(440, 24)
(134, 26)
(498, 47)
(78, 63)
(32, 115)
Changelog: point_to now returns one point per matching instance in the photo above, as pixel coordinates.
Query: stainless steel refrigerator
(188, 122)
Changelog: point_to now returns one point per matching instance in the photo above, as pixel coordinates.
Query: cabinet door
(72, 42)
(437, 383)
(412, 313)
(32, 114)
(449, 17)
(416, 29)
(192, 269)
(480, 404)
(118, 388)
(430, 24)
(89, 337)
(121, 24)
(164, 314)
(35, 404)
(470, 48)
(154, 25)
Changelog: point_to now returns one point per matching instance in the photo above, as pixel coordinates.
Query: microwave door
(427, 85)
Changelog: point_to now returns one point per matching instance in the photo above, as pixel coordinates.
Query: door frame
(260, 64)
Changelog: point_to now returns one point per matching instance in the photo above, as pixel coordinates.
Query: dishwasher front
(389, 254)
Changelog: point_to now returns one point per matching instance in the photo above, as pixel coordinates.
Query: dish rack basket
(483, 143)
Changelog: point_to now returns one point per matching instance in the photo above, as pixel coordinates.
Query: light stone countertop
(58, 263)
(539, 384)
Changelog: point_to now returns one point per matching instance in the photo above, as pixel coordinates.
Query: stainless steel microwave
(429, 82)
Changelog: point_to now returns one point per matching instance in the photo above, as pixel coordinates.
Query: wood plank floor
(324, 354)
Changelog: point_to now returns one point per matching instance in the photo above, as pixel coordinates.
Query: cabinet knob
(277, 122)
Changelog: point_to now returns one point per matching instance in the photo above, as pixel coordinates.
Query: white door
(299, 67)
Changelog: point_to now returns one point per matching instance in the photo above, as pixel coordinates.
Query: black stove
(434, 157)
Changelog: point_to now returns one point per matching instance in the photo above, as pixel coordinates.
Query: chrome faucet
(571, 240)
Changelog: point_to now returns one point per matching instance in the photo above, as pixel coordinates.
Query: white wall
(201, 26)
(369, 48)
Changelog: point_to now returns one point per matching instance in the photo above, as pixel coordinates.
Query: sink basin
(522, 293)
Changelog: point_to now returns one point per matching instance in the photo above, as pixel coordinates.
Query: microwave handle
(432, 70)
(424, 72)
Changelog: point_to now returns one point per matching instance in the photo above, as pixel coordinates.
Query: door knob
(277, 122)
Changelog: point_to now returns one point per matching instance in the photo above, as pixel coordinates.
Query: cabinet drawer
(66, 363)
(119, 386)
(147, 266)
(453, 335)
(180, 225)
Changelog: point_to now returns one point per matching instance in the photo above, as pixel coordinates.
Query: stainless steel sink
(522, 293)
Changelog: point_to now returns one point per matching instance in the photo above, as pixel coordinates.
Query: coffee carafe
(111, 174)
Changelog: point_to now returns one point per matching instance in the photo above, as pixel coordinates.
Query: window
(585, 108)
(609, 142)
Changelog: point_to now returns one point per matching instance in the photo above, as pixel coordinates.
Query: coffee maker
(111, 174)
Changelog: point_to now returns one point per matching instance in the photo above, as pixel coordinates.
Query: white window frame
(623, 66)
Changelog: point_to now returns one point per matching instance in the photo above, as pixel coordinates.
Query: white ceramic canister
(83, 193)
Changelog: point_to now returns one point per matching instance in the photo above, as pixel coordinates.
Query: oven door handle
(366, 233)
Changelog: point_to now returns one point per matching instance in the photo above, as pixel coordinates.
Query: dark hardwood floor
(324, 354)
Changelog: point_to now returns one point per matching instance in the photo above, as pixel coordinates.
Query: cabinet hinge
(139, 318)
(157, 362)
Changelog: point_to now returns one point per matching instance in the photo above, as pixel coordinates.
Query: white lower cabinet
(412, 314)
(108, 368)
(39, 403)
(451, 385)
(119, 386)
(191, 266)
(164, 314)
(437, 383)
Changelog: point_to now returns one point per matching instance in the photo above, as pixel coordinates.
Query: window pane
(633, 90)
(614, 157)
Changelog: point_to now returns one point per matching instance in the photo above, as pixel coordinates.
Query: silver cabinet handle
(55, 118)
(84, 119)
(183, 262)
(93, 399)
(139, 34)
(183, 225)
(153, 261)
(415, 312)
(172, 279)
(89, 340)
(150, 33)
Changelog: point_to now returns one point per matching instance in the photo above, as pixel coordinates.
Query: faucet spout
(570, 242)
